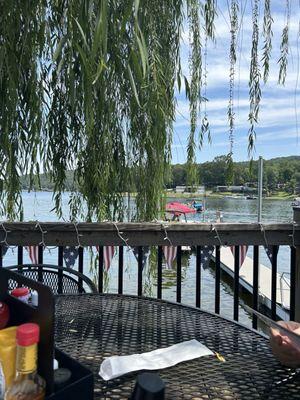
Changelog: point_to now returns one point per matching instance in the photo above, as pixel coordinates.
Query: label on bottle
(26, 358)
(2, 383)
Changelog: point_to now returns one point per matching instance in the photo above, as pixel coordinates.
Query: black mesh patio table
(90, 327)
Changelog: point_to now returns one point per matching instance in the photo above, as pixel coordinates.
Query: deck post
(297, 269)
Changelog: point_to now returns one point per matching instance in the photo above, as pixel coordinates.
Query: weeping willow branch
(210, 14)
(232, 56)
(99, 77)
(268, 34)
(194, 89)
(254, 81)
(205, 128)
(89, 86)
(284, 47)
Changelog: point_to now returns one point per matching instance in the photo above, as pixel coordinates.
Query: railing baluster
(40, 261)
(274, 282)
(120, 272)
(198, 276)
(159, 272)
(178, 283)
(255, 283)
(41, 255)
(217, 281)
(100, 270)
(140, 271)
(20, 255)
(293, 284)
(236, 283)
(60, 274)
(80, 267)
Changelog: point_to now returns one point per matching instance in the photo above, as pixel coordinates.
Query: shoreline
(209, 194)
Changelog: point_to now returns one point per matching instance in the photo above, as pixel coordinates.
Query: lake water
(37, 206)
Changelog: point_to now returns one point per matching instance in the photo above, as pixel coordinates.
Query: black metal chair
(61, 280)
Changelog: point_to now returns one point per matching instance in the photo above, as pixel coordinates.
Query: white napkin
(116, 366)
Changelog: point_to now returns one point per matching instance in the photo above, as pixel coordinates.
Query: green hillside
(281, 173)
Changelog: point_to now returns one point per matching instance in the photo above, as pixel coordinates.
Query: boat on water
(251, 197)
(198, 206)
(176, 210)
(234, 197)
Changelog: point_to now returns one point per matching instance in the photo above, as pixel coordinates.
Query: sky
(278, 130)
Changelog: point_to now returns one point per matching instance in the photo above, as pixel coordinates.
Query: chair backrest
(61, 280)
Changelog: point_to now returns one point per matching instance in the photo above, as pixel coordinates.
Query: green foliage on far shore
(282, 174)
(279, 173)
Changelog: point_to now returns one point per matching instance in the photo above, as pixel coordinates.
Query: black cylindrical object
(62, 377)
(149, 386)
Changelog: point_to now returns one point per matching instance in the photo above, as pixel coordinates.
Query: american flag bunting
(270, 252)
(170, 253)
(206, 253)
(33, 252)
(146, 251)
(70, 254)
(108, 255)
(4, 249)
(243, 252)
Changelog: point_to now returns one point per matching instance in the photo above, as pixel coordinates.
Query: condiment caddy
(80, 384)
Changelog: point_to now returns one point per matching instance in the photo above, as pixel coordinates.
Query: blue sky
(278, 133)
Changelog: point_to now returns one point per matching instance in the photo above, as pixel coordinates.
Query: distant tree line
(279, 173)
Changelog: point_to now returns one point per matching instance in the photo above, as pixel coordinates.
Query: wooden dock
(265, 277)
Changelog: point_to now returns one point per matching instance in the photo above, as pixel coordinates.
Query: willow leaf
(100, 68)
(59, 47)
(136, 7)
(143, 54)
(82, 33)
(83, 57)
(133, 86)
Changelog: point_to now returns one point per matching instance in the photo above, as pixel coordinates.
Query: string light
(214, 229)
(262, 229)
(42, 242)
(76, 229)
(120, 234)
(6, 234)
(166, 234)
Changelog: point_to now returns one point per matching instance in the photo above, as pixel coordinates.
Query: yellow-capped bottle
(27, 385)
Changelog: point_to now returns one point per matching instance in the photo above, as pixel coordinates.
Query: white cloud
(277, 116)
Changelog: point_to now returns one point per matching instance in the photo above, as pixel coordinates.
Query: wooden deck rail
(152, 233)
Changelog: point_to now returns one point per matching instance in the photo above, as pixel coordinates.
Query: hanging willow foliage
(230, 112)
(89, 86)
(284, 46)
(194, 89)
(205, 128)
(267, 33)
(254, 81)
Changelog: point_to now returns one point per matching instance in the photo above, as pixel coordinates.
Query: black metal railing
(198, 281)
(197, 235)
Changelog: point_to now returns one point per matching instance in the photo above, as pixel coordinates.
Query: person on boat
(175, 218)
(284, 349)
